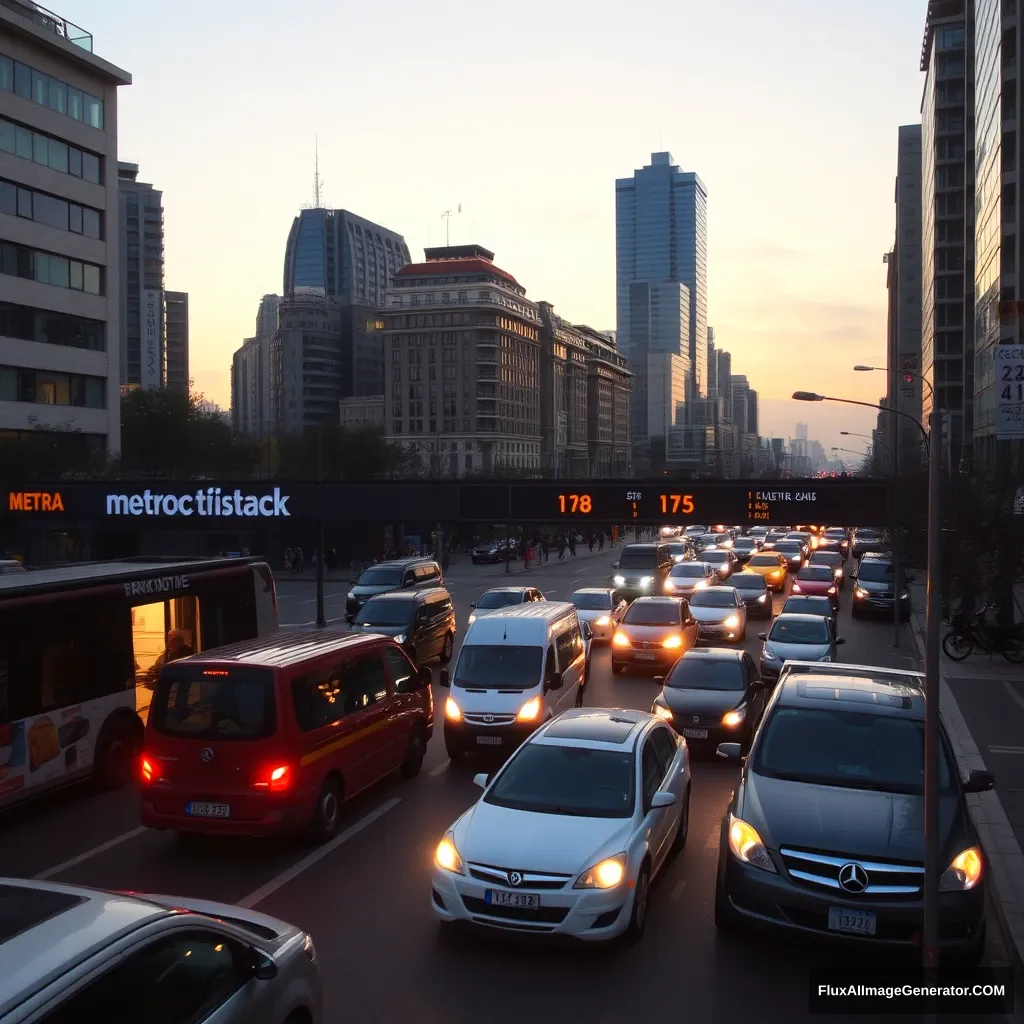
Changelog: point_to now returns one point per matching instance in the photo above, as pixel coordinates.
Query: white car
(570, 832)
(503, 597)
(602, 608)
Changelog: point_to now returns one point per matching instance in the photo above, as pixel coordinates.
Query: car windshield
(808, 606)
(764, 560)
(637, 558)
(701, 673)
(799, 631)
(693, 531)
(829, 558)
(498, 666)
(875, 572)
(850, 749)
(787, 546)
(690, 571)
(384, 612)
(499, 598)
(653, 613)
(835, 534)
(871, 535)
(816, 574)
(201, 702)
(578, 781)
(592, 602)
(678, 548)
(713, 599)
(716, 557)
(745, 542)
(380, 576)
(748, 581)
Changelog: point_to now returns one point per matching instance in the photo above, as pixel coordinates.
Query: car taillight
(275, 778)
(146, 771)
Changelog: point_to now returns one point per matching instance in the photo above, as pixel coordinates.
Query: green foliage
(332, 452)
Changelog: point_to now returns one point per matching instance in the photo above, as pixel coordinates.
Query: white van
(517, 669)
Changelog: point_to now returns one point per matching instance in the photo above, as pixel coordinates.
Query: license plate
(645, 656)
(202, 810)
(489, 741)
(695, 734)
(521, 900)
(855, 922)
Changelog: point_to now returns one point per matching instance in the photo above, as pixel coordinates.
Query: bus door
(162, 631)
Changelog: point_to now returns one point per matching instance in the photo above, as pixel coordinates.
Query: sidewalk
(982, 706)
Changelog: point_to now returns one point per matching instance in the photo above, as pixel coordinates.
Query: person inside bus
(176, 648)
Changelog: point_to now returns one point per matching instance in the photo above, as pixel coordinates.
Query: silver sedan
(602, 608)
(721, 615)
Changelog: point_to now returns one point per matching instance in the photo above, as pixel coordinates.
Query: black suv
(875, 588)
(422, 621)
(402, 574)
(642, 569)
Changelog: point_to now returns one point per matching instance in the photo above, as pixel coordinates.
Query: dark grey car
(422, 621)
(401, 574)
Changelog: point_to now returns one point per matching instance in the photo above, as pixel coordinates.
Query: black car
(744, 548)
(495, 551)
(811, 604)
(794, 552)
(384, 577)
(422, 621)
(642, 569)
(753, 588)
(824, 836)
(712, 695)
(867, 540)
(875, 589)
(840, 537)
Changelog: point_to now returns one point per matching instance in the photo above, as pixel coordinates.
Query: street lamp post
(932, 863)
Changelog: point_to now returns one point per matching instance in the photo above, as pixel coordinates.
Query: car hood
(798, 652)
(485, 549)
(712, 614)
(877, 586)
(751, 596)
(526, 841)
(649, 634)
(694, 702)
(366, 590)
(861, 823)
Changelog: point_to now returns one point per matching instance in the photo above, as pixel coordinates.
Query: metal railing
(51, 22)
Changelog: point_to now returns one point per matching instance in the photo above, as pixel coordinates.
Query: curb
(1002, 851)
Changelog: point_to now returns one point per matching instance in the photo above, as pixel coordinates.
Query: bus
(81, 647)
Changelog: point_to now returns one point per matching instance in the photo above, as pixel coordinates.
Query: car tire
(448, 649)
(327, 815)
(684, 825)
(414, 754)
(638, 911)
(617, 670)
(726, 919)
(455, 750)
(973, 957)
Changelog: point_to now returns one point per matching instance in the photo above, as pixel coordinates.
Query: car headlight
(701, 585)
(769, 655)
(662, 712)
(964, 871)
(733, 718)
(671, 643)
(471, 619)
(839, 574)
(620, 640)
(604, 875)
(351, 595)
(832, 590)
(619, 580)
(400, 639)
(746, 845)
(860, 592)
(796, 588)
(646, 581)
(529, 711)
(732, 622)
(905, 596)
(605, 620)
(763, 598)
(447, 857)
(452, 711)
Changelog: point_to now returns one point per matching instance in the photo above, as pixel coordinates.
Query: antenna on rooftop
(447, 218)
(318, 182)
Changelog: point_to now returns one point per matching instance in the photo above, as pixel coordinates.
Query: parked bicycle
(967, 635)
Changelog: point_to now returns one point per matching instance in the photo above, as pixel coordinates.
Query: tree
(333, 452)
(48, 451)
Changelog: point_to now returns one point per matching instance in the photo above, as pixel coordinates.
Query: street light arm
(810, 396)
(908, 373)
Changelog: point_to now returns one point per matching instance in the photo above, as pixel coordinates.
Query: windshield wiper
(841, 783)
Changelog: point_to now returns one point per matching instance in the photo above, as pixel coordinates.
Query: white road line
(295, 870)
(677, 892)
(439, 770)
(1014, 695)
(1005, 750)
(66, 865)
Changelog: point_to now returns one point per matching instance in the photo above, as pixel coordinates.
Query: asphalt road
(365, 896)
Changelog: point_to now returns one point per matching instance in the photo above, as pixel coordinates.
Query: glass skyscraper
(661, 237)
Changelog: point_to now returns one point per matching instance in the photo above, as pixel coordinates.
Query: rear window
(203, 703)
(816, 574)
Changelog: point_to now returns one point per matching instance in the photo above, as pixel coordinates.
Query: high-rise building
(753, 422)
(176, 315)
(143, 345)
(712, 358)
(740, 407)
(947, 222)
(667, 376)
(661, 236)
(60, 290)
(609, 385)
(253, 410)
(724, 382)
(563, 397)
(801, 432)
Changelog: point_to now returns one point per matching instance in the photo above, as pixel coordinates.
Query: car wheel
(973, 957)
(684, 825)
(414, 754)
(455, 750)
(446, 651)
(638, 913)
(617, 670)
(726, 918)
(327, 815)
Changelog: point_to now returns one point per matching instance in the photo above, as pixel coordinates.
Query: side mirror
(762, 636)
(481, 780)
(840, 640)
(730, 751)
(662, 800)
(979, 782)
(444, 678)
(425, 677)
(262, 966)
(472, 604)
(758, 684)
(659, 680)
(852, 576)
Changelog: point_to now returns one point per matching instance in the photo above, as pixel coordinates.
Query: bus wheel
(116, 752)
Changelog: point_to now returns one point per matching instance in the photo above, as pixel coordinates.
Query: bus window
(161, 632)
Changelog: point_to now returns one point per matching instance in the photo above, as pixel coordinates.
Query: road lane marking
(677, 892)
(66, 865)
(1005, 750)
(1014, 695)
(440, 769)
(260, 894)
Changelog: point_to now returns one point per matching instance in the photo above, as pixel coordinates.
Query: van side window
(570, 646)
(364, 683)
(549, 664)
(316, 698)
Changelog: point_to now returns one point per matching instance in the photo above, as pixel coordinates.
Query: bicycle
(959, 643)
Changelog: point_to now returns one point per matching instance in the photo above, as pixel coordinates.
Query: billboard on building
(151, 356)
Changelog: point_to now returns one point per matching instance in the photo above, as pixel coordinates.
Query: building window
(49, 268)
(44, 387)
(22, 141)
(49, 210)
(50, 92)
(48, 328)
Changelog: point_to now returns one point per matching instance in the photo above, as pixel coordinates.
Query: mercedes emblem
(696, 718)
(853, 878)
(207, 755)
(488, 718)
(515, 878)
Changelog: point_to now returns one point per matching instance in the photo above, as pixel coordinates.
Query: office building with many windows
(609, 387)
(252, 410)
(176, 340)
(60, 297)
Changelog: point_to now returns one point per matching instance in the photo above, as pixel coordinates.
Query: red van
(273, 735)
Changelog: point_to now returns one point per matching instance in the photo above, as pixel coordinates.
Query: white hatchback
(570, 832)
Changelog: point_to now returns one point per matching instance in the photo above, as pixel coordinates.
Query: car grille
(479, 719)
(824, 871)
(692, 721)
(542, 915)
(645, 645)
(532, 880)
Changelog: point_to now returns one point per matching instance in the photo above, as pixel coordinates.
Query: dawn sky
(526, 114)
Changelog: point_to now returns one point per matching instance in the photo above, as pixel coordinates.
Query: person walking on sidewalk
(561, 546)
(600, 541)
(593, 541)
(527, 556)
(545, 546)
(572, 543)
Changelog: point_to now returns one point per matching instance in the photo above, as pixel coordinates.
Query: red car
(817, 581)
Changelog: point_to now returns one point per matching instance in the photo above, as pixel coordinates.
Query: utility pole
(894, 518)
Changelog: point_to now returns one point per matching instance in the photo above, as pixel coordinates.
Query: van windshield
(384, 611)
(499, 667)
(380, 576)
(637, 558)
(200, 702)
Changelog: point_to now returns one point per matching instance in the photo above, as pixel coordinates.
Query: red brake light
(146, 770)
(275, 778)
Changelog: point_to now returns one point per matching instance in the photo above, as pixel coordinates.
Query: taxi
(772, 566)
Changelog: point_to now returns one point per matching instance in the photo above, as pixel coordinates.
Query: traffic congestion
(693, 756)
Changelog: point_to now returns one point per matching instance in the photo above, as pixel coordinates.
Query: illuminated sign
(205, 503)
(156, 585)
(34, 501)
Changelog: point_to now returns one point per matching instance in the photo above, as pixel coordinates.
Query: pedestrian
(600, 541)
(527, 556)
(572, 543)
(561, 546)
(544, 546)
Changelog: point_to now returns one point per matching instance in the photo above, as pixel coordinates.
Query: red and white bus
(80, 648)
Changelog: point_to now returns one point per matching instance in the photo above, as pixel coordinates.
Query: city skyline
(795, 280)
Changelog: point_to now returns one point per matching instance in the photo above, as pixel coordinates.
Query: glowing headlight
(839, 574)
(831, 590)
(796, 588)
(471, 619)
(769, 655)
(746, 845)
(351, 595)
(400, 639)
(452, 711)
(672, 642)
(732, 622)
(701, 585)
(964, 872)
(529, 711)
(447, 857)
(620, 640)
(662, 712)
(860, 592)
(605, 620)
(733, 718)
(646, 581)
(619, 580)
(905, 596)
(605, 875)
(763, 598)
